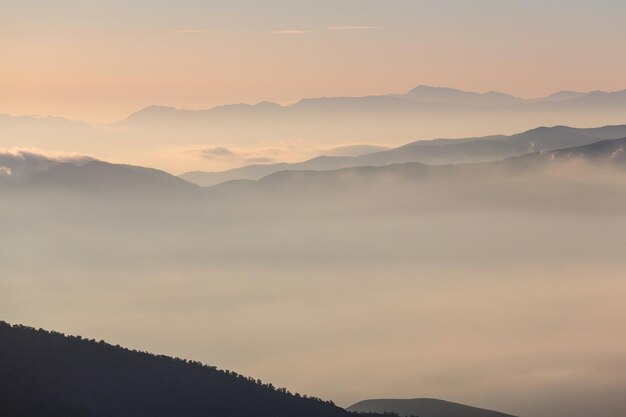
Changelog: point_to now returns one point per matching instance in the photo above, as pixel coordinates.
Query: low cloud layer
(216, 152)
(16, 162)
(505, 294)
(223, 154)
(352, 150)
(34, 154)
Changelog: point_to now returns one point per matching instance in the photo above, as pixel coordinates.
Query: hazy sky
(100, 60)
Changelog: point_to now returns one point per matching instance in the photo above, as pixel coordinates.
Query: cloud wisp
(352, 150)
(329, 28)
(348, 28)
(189, 31)
(291, 32)
(220, 153)
(35, 153)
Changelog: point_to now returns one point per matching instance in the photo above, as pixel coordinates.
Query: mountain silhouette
(28, 170)
(320, 122)
(419, 98)
(450, 95)
(423, 407)
(423, 112)
(431, 152)
(605, 151)
(319, 182)
(49, 374)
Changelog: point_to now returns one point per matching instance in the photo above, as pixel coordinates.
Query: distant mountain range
(423, 112)
(178, 139)
(30, 171)
(423, 407)
(291, 183)
(49, 374)
(417, 98)
(432, 152)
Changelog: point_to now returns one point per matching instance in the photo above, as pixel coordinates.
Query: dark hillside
(49, 374)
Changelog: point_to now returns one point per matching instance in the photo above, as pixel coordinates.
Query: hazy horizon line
(290, 103)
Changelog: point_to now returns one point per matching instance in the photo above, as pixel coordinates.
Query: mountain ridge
(608, 153)
(431, 152)
(48, 373)
(423, 407)
(422, 94)
(28, 170)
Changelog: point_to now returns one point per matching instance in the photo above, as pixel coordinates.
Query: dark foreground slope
(423, 407)
(49, 374)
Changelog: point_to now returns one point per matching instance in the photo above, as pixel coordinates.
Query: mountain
(450, 95)
(492, 148)
(168, 114)
(155, 133)
(561, 95)
(422, 112)
(599, 99)
(431, 152)
(49, 374)
(606, 151)
(387, 178)
(29, 170)
(258, 171)
(421, 99)
(47, 132)
(423, 407)
(9, 124)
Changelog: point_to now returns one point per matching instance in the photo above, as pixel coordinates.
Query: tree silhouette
(44, 373)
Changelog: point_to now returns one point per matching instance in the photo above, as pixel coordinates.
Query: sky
(101, 60)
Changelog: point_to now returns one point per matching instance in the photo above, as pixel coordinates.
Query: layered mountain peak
(454, 96)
